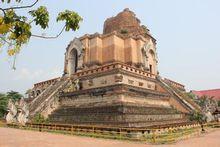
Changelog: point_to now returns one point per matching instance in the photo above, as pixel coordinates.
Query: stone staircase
(179, 95)
(48, 99)
(186, 98)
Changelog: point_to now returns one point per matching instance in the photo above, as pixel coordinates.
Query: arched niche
(74, 57)
(72, 61)
(149, 57)
(151, 61)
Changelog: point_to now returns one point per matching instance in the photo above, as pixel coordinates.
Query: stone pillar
(71, 66)
(80, 61)
(145, 57)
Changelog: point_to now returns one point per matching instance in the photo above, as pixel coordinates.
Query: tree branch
(21, 7)
(4, 40)
(31, 21)
(50, 37)
(14, 61)
(3, 11)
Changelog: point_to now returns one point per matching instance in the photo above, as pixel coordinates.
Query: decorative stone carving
(149, 86)
(209, 116)
(145, 56)
(12, 112)
(80, 60)
(23, 112)
(90, 82)
(74, 85)
(118, 78)
(141, 83)
(104, 81)
(130, 82)
(145, 53)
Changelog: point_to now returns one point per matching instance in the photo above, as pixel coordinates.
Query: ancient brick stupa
(111, 79)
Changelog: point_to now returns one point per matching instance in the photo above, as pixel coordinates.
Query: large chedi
(123, 40)
(112, 79)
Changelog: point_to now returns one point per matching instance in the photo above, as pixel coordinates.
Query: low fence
(2, 122)
(152, 135)
(212, 125)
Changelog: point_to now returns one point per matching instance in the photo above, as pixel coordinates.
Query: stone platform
(119, 105)
(117, 116)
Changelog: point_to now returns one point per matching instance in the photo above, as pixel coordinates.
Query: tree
(197, 116)
(202, 100)
(15, 96)
(191, 95)
(3, 104)
(38, 118)
(16, 30)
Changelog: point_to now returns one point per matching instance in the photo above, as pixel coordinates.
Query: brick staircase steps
(180, 95)
(40, 103)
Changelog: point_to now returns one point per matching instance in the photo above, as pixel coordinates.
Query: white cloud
(26, 74)
(23, 78)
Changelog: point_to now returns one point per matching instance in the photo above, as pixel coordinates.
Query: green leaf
(9, 1)
(10, 17)
(21, 33)
(71, 19)
(14, 95)
(41, 16)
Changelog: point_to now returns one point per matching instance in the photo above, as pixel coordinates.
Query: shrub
(198, 117)
(38, 118)
(124, 31)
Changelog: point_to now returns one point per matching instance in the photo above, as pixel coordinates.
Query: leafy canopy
(3, 105)
(197, 116)
(15, 96)
(16, 30)
(72, 19)
(38, 118)
(41, 16)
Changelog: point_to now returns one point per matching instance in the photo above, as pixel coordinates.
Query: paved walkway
(21, 138)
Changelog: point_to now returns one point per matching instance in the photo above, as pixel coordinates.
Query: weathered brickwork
(126, 24)
(112, 79)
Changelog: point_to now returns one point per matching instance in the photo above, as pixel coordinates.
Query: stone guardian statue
(12, 112)
(23, 112)
(76, 84)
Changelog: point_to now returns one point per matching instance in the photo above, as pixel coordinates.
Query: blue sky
(187, 33)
